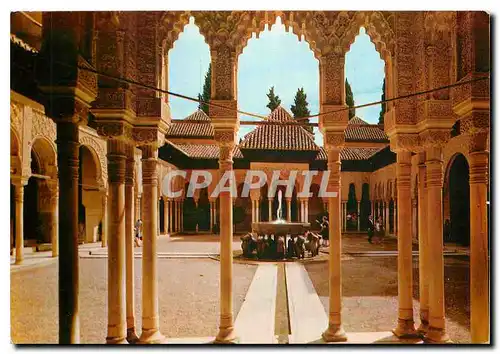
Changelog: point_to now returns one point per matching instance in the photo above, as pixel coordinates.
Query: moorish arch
(456, 190)
(91, 194)
(39, 191)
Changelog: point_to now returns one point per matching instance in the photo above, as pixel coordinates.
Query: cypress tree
(274, 101)
(349, 99)
(382, 111)
(207, 91)
(299, 109)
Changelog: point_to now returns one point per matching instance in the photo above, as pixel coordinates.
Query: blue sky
(276, 59)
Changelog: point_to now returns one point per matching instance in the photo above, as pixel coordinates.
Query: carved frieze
(43, 127)
(114, 130)
(16, 119)
(405, 142)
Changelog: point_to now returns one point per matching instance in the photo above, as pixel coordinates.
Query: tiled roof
(279, 137)
(351, 153)
(203, 151)
(200, 128)
(359, 130)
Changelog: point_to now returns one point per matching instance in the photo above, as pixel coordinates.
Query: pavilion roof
(203, 151)
(359, 130)
(352, 153)
(199, 126)
(279, 137)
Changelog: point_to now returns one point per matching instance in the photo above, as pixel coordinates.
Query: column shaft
(67, 162)
(257, 216)
(288, 209)
(54, 237)
(129, 243)
(395, 218)
(226, 327)
(104, 229)
(359, 216)
(479, 254)
(434, 173)
(423, 258)
(165, 215)
(150, 319)
(405, 326)
(270, 201)
(117, 321)
(171, 212)
(19, 200)
(335, 331)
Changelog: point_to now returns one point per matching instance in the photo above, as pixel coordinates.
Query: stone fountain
(280, 227)
(272, 234)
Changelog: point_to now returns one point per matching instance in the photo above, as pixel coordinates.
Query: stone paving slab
(371, 338)
(256, 319)
(307, 315)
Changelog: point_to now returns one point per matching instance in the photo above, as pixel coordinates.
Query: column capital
(479, 167)
(434, 137)
(408, 142)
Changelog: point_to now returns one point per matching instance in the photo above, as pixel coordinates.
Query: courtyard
(188, 294)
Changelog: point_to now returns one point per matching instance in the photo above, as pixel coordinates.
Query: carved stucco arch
(15, 152)
(448, 165)
(99, 156)
(46, 153)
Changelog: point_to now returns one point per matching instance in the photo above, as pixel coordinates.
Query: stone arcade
(88, 153)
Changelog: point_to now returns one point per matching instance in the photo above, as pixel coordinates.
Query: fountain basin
(280, 228)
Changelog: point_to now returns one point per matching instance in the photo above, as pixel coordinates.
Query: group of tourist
(375, 230)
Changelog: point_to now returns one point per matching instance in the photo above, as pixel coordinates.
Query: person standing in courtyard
(324, 231)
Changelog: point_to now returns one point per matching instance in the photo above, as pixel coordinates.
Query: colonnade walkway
(273, 302)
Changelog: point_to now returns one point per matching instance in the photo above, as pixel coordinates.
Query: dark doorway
(459, 203)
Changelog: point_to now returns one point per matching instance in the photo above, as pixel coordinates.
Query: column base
(437, 336)
(423, 328)
(334, 333)
(405, 329)
(116, 340)
(132, 337)
(151, 336)
(226, 336)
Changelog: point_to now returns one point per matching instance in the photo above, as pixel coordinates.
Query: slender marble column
(405, 326)
(68, 163)
(359, 217)
(211, 216)
(479, 254)
(172, 213)
(395, 217)
(257, 216)
(434, 166)
(423, 258)
(335, 331)
(387, 218)
(306, 210)
(181, 211)
(253, 211)
(54, 237)
(227, 332)
(270, 201)
(129, 242)
(104, 231)
(150, 318)
(19, 201)
(137, 207)
(117, 322)
(288, 209)
(165, 215)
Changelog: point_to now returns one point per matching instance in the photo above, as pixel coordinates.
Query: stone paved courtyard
(189, 291)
